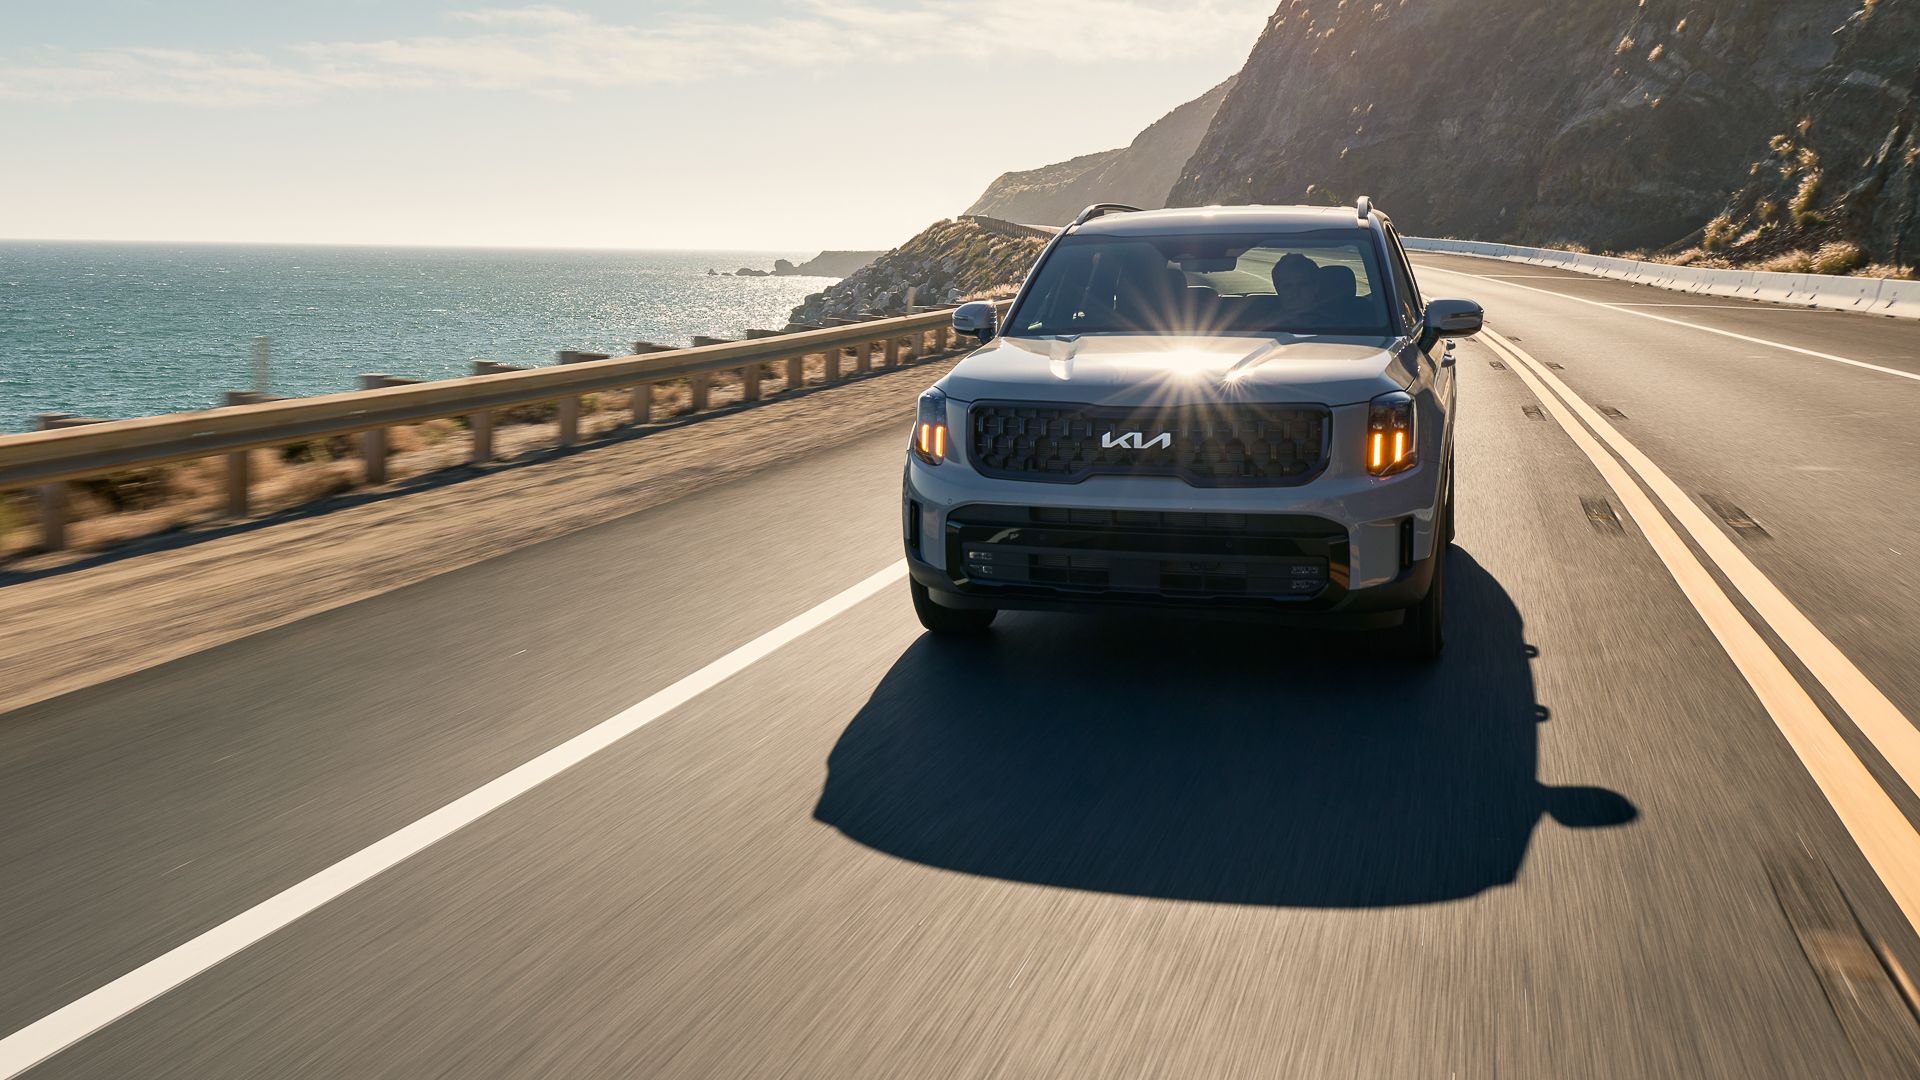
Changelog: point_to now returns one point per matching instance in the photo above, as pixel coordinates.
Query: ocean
(117, 330)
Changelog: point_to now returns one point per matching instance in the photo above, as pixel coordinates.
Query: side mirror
(1451, 319)
(976, 318)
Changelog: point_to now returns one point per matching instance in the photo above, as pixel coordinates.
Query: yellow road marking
(1885, 836)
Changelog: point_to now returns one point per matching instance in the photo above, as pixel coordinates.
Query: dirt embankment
(116, 606)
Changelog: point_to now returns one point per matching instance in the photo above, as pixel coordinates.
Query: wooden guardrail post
(863, 357)
(373, 441)
(913, 346)
(640, 395)
(239, 481)
(832, 361)
(890, 352)
(568, 408)
(53, 497)
(480, 421)
(700, 383)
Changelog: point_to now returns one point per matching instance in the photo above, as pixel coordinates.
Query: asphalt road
(1081, 847)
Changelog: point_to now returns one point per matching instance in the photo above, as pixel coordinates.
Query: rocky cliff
(947, 262)
(1610, 123)
(1140, 173)
(1841, 175)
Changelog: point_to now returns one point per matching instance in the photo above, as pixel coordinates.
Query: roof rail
(1100, 208)
(1365, 206)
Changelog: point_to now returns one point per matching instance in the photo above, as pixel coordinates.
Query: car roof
(1222, 219)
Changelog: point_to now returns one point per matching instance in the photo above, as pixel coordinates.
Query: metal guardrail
(1878, 296)
(69, 449)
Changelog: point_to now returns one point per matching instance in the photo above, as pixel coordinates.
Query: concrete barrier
(1881, 296)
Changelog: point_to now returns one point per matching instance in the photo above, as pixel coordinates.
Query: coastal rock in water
(748, 271)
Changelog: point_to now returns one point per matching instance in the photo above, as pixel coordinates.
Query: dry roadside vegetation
(110, 511)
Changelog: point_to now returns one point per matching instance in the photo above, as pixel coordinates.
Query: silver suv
(1232, 409)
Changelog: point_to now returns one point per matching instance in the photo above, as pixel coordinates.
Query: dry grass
(1717, 233)
(1804, 198)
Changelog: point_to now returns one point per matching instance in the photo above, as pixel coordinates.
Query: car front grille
(1215, 445)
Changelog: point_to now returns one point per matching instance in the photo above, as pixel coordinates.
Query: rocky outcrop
(1140, 174)
(949, 261)
(1607, 124)
(1841, 175)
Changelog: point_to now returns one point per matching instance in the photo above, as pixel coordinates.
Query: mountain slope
(1139, 173)
(1843, 170)
(1611, 123)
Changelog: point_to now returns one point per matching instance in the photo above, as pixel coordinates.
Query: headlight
(930, 428)
(1390, 434)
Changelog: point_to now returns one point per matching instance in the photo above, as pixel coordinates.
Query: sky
(674, 124)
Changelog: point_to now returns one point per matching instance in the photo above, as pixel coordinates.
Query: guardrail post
(863, 357)
(750, 382)
(832, 358)
(54, 497)
(568, 411)
(373, 441)
(890, 352)
(640, 395)
(913, 346)
(239, 463)
(480, 423)
(700, 383)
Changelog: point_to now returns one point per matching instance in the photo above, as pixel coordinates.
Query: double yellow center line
(1885, 836)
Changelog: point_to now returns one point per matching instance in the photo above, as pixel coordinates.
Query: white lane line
(1915, 376)
(1869, 814)
(69, 1024)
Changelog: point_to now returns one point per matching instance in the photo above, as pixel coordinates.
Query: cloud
(552, 51)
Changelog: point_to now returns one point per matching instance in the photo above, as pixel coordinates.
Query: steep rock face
(1844, 167)
(948, 261)
(1140, 173)
(1618, 123)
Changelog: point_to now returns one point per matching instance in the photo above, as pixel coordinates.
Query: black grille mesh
(1232, 445)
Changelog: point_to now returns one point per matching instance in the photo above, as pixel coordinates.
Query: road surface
(785, 834)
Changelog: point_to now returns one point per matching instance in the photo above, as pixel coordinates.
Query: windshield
(1325, 282)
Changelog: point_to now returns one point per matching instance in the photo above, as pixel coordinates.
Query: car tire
(1422, 634)
(949, 621)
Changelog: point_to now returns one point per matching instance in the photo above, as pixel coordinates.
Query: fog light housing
(1390, 434)
(929, 441)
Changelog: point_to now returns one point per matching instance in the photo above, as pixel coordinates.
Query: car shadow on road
(1210, 761)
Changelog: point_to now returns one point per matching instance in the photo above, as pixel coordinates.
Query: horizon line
(422, 246)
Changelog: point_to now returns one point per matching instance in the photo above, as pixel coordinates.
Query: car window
(1315, 282)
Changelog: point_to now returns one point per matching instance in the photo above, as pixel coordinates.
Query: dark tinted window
(1325, 282)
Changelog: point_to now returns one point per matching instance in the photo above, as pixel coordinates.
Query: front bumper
(1342, 549)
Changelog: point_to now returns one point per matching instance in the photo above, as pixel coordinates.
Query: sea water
(115, 330)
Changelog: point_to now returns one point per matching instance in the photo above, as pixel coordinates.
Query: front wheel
(1422, 635)
(946, 620)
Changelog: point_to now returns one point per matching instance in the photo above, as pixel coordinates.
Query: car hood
(1121, 369)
